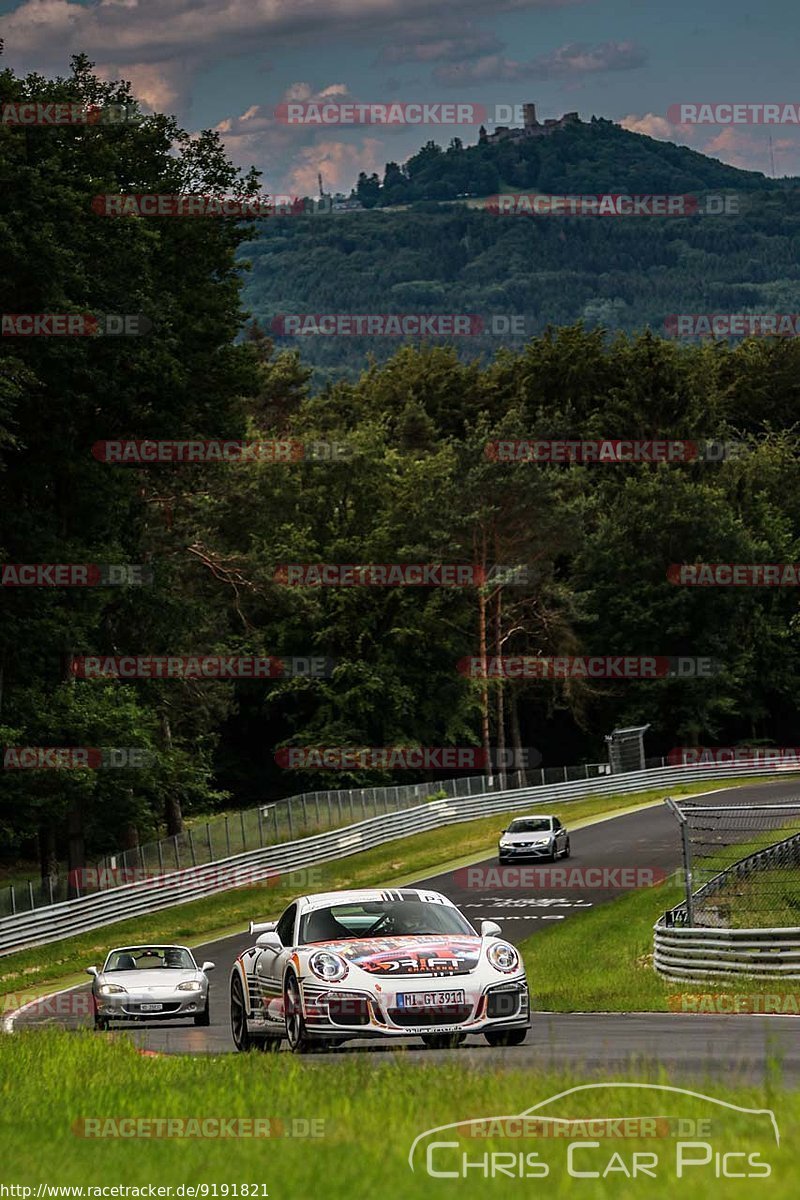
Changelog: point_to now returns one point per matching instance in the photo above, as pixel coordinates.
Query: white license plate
(428, 999)
(151, 1007)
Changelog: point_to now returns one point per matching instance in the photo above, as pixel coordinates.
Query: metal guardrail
(683, 953)
(697, 952)
(269, 824)
(43, 926)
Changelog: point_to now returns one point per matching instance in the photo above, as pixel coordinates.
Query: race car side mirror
(490, 929)
(207, 966)
(269, 941)
(91, 970)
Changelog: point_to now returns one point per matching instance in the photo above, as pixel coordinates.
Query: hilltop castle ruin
(531, 127)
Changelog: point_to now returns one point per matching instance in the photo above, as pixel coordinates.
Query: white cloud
(569, 61)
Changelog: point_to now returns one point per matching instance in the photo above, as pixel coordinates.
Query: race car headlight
(503, 957)
(110, 989)
(327, 966)
(191, 985)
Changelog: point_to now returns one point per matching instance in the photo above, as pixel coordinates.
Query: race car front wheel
(505, 1037)
(443, 1041)
(296, 1033)
(239, 1030)
(203, 1018)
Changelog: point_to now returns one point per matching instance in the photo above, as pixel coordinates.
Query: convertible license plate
(151, 1007)
(428, 999)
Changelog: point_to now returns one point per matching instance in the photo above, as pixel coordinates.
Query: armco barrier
(698, 953)
(43, 926)
(709, 952)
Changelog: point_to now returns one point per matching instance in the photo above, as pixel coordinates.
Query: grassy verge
(365, 1125)
(31, 972)
(618, 975)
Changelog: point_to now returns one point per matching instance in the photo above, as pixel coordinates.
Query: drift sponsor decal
(407, 956)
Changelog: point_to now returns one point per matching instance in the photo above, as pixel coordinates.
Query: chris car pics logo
(655, 1131)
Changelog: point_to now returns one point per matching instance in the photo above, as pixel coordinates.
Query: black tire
(502, 861)
(505, 1037)
(296, 1032)
(203, 1018)
(239, 1031)
(566, 849)
(101, 1024)
(443, 1041)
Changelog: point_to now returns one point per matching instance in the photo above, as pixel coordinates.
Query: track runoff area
(608, 857)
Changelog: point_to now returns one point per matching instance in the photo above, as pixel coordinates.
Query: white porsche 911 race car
(377, 964)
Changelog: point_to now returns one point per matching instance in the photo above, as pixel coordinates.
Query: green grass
(27, 973)
(368, 1110)
(617, 975)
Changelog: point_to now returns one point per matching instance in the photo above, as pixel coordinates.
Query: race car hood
(434, 955)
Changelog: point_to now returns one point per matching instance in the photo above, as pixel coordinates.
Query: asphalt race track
(690, 1046)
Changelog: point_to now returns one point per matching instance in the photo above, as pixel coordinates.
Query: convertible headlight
(191, 985)
(327, 966)
(503, 957)
(110, 989)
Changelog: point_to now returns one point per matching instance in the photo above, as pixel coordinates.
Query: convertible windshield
(382, 918)
(150, 958)
(530, 825)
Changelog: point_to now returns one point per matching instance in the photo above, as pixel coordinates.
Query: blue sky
(226, 64)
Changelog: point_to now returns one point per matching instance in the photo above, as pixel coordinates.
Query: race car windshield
(385, 918)
(530, 825)
(150, 958)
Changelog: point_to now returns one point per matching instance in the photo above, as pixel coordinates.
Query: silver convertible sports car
(142, 983)
(377, 964)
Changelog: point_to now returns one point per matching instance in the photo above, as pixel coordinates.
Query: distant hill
(596, 156)
(440, 256)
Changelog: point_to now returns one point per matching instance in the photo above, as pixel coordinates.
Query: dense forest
(415, 486)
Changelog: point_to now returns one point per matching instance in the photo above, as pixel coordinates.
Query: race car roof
(357, 896)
